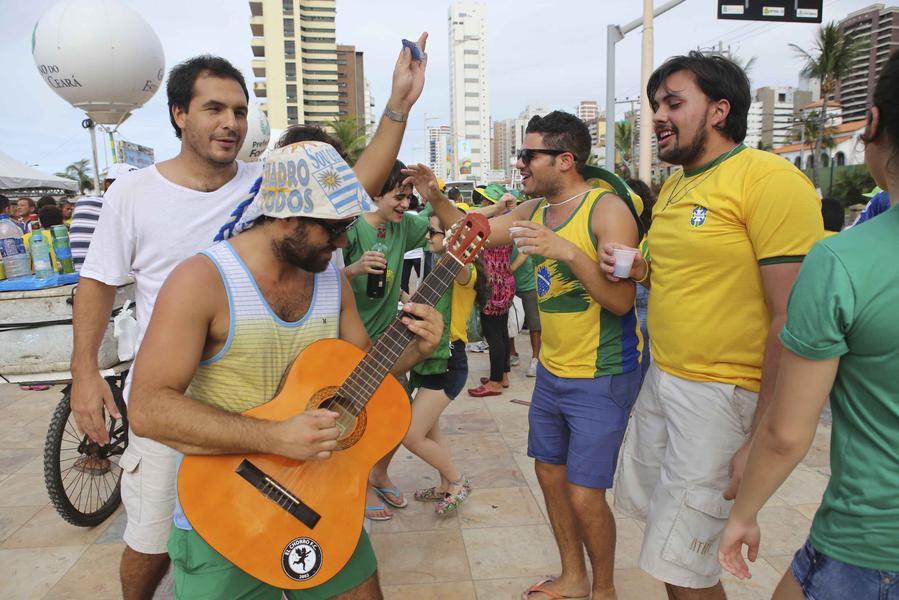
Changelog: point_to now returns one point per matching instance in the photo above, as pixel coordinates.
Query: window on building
(474, 52)
(319, 8)
(317, 40)
(317, 18)
(290, 70)
(840, 159)
(292, 115)
(781, 97)
(472, 95)
(288, 27)
(287, 6)
(825, 160)
(291, 93)
(471, 66)
(290, 49)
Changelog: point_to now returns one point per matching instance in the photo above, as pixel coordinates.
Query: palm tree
(828, 62)
(624, 144)
(80, 171)
(351, 136)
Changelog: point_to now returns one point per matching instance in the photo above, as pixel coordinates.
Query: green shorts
(201, 572)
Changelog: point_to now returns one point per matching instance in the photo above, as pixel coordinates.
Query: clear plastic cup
(624, 260)
(513, 231)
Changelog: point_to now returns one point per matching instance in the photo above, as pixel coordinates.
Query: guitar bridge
(278, 494)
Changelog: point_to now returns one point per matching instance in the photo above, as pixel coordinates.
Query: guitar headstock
(467, 237)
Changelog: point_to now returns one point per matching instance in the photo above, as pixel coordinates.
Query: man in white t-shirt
(205, 188)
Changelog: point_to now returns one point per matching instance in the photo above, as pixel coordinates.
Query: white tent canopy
(19, 176)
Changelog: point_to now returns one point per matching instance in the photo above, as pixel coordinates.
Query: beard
(687, 154)
(295, 250)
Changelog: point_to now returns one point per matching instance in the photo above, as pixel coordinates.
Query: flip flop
(538, 587)
(40, 387)
(482, 392)
(376, 508)
(484, 381)
(393, 491)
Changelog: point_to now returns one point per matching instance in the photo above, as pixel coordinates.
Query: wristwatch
(395, 116)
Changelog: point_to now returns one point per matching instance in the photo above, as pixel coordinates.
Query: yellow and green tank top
(580, 338)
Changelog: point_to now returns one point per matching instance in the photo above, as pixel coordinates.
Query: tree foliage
(80, 171)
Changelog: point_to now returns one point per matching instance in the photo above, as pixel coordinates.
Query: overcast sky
(548, 52)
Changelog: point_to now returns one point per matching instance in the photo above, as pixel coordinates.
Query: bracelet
(645, 275)
(399, 117)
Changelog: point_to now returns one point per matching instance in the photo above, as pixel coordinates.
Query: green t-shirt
(844, 304)
(524, 275)
(400, 237)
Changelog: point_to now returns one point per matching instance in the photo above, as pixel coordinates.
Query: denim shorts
(824, 578)
(580, 423)
(453, 381)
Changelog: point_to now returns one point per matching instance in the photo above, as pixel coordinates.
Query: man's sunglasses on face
(526, 155)
(336, 229)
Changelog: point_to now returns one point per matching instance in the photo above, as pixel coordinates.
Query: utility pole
(645, 168)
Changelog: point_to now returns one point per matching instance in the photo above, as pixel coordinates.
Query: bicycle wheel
(83, 477)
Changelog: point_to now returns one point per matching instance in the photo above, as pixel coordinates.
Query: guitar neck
(371, 371)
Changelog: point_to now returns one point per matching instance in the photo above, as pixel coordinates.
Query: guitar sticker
(301, 559)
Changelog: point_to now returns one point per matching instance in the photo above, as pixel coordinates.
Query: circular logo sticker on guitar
(302, 558)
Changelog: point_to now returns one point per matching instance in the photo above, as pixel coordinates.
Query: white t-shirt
(148, 225)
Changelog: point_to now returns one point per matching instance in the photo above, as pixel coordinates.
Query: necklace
(674, 198)
(548, 203)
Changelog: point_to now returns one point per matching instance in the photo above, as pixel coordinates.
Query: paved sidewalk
(497, 545)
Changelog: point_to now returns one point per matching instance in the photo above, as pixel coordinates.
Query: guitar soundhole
(351, 426)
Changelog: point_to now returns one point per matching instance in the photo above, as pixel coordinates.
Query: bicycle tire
(61, 432)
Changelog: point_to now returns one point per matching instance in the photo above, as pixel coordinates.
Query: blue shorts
(580, 423)
(453, 381)
(824, 578)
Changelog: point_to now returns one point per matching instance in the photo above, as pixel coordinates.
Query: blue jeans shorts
(824, 578)
(453, 381)
(580, 423)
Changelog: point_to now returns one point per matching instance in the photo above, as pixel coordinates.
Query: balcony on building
(260, 89)
(258, 66)
(256, 8)
(257, 26)
(257, 44)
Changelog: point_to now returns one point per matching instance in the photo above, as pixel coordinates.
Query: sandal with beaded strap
(451, 502)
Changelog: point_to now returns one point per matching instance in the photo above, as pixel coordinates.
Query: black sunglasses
(335, 229)
(432, 231)
(526, 155)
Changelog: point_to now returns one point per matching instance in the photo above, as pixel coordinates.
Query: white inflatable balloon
(99, 56)
(258, 135)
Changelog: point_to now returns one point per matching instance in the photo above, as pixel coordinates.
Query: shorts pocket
(693, 539)
(131, 484)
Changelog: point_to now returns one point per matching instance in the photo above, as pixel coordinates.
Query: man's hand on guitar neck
(307, 436)
(427, 325)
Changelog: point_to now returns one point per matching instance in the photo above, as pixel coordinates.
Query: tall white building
(754, 124)
(469, 89)
(440, 151)
(369, 102)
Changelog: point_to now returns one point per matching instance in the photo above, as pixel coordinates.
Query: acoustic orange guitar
(295, 524)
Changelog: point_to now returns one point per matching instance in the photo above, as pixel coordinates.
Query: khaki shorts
(149, 472)
(674, 469)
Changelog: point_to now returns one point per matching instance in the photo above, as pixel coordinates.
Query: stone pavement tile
(492, 472)
(47, 529)
(94, 577)
(457, 590)
(803, 486)
(764, 579)
(116, 528)
(500, 507)
(34, 465)
(420, 557)
(13, 517)
(510, 422)
(501, 405)
(517, 441)
(784, 530)
(23, 489)
(635, 584)
(501, 552)
(13, 459)
(467, 423)
(818, 456)
(30, 573)
(29, 410)
(465, 405)
(477, 446)
(417, 516)
(526, 466)
(31, 435)
(808, 510)
(780, 562)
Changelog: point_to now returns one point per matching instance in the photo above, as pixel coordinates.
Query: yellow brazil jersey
(580, 339)
(712, 228)
(462, 303)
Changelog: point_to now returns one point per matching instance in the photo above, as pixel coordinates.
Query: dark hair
(46, 201)
(183, 78)
(718, 78)
(28, 200)
(454, 194)
(885, 94)
(649, 200)
(832, 213)
(395, 179)
(564, 131)
(49, 216)
(4, 203)
(309, 133)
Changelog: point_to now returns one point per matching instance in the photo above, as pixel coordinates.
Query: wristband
(393, 115)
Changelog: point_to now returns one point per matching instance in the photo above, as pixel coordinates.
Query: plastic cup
(513, 231)
(624, 260)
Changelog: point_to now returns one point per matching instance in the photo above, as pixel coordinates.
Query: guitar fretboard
(371, 371)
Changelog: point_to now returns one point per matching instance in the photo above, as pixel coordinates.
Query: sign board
(793, 11)
(134, 154)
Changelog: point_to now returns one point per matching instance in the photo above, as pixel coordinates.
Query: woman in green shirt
(841, 337)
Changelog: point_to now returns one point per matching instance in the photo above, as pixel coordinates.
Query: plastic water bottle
(12, 249)
(40, 256)
(63, 249)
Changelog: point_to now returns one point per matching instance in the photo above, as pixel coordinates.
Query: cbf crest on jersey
(697, 217)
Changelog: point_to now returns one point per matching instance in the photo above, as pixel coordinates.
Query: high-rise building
(754, 124)
(350, 84)
(440, 151)
(469, 89)
(295, 60)
(878, 28)
(588, 110)
(369, 102)
(780, 108)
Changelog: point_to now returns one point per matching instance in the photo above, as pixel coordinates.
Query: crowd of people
(753, 319)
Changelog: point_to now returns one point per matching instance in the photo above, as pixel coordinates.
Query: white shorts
(149, 471)
(673, 471)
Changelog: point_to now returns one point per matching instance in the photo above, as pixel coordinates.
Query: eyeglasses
(336, 229)
(432, 231)
(526, 155)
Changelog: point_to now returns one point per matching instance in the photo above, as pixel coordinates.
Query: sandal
(377, 508)
(538, 587)
(393, 491)
(428, 494)
(451, 502)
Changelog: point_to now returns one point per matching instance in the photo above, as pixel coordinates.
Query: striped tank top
(580, 338)
(249, 369)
